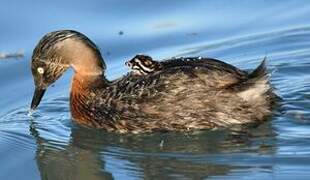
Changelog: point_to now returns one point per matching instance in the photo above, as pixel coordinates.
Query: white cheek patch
(40, 70)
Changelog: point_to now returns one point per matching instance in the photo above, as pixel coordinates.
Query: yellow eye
(40, 70)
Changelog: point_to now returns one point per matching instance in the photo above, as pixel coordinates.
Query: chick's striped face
(143, 65)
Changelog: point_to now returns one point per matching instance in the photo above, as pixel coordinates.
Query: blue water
(48, 145)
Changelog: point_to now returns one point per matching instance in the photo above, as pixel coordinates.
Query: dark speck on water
(46, 144)
(120, 33)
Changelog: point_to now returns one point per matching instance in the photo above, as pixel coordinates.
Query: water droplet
(161, 144)
(30, 112)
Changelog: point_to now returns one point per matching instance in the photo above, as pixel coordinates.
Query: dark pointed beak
(37, 96)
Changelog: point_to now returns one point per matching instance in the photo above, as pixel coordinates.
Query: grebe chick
(143, 65)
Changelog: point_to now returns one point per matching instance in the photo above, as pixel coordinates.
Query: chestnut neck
(87, 83)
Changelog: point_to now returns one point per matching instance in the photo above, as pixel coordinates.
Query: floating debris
(192, 34)
(121, 33)
(16, 55)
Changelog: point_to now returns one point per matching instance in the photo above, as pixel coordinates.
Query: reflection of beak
(37, 96)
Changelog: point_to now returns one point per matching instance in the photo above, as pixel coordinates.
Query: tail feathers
(260, 71)
(256, 88)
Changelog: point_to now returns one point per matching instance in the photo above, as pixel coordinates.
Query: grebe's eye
(40, 70)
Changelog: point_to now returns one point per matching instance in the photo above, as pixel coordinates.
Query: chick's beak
(127, 63)
(37, 96)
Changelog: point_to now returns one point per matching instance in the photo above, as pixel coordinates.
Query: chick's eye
(40, 70)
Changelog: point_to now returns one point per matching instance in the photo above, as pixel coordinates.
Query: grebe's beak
(37, 96)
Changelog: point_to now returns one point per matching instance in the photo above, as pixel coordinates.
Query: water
(48, 145)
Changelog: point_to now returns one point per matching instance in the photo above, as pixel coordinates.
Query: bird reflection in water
(93, 154)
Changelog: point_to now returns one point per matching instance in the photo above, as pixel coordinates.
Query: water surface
(48, 145)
